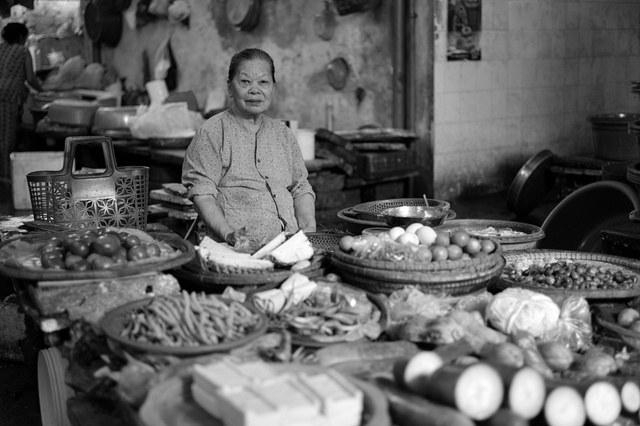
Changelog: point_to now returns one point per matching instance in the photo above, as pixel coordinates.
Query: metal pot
(406, 215)
(72, 112)
(114, 118)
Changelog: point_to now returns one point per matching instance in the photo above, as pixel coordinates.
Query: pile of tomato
(95, 249)
(419, 243)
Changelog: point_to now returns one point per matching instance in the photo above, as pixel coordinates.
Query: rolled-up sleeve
(202, 166)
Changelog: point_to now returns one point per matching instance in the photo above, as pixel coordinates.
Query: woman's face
(252, 88)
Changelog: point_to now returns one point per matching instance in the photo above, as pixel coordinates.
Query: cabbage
(518, 309)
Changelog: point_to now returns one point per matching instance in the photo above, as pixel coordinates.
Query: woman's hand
(212, 216)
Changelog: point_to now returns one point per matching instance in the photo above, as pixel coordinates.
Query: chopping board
(164, 195)
(175, 213)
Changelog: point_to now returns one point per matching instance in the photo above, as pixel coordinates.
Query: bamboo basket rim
(599, 259)
(475, 263)
(452, 288)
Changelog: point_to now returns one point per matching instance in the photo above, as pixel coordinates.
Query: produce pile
(284, 251)
(323, 311)
(85, 250)
(189, 320)
(417, 243)
(571, 275)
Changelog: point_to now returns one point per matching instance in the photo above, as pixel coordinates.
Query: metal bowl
(406, 215)
(114, 118)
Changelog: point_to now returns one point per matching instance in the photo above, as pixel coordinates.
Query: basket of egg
(436, 262)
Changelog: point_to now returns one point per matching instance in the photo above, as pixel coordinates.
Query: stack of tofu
(254, 393)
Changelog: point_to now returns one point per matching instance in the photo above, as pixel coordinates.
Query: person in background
(244, 170)
(16, 68)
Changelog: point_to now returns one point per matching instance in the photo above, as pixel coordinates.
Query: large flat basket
(115, 196)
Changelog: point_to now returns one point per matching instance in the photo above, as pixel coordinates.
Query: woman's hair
(250, 55)
(14, 32)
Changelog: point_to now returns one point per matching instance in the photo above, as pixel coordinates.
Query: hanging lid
(532, 184)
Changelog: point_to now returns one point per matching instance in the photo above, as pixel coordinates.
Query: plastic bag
(91, 77)
(172, 120)
(574, 328)
(520, 309)
(166, 67)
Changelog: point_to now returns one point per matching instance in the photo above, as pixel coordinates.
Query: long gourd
(476, 390)
(409, 409)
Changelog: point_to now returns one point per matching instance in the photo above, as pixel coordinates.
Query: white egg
(395, 232)
(427, 235)
(413, 227)
(408, 238)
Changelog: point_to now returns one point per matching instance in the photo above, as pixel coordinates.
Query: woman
(244, 171)
(16, 67)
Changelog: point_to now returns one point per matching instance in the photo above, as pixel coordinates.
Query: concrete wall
(546, 65)
(286, 31)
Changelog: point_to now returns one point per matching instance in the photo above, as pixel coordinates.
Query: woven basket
(325, 241)
(451, 285)
(475, 264)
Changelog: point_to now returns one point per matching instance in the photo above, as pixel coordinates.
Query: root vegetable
(475, 390)
(524, 390)
(557, 356)
(630, 397)
(532, 356)
(627, 316)
(408, 409)
(602, 403)
(505, 417)
(564, 406)
(506, 353)
(414, 372)
(363, 351)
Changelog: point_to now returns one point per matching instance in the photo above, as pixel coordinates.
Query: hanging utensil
(338, 73)
(325, 22)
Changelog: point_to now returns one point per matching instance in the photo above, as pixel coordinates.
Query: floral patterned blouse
(12, 72)
(254, 176)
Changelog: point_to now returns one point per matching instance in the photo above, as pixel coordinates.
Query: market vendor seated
(244, 170)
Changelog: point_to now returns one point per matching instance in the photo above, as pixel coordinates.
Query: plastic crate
(23, 163)
(115, 196)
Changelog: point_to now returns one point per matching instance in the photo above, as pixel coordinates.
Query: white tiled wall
(546, 66)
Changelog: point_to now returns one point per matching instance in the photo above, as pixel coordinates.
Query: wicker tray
(450, 285)
(514, 242)
(475, 264)
(214, 282)
(629, 266)
(185, 252)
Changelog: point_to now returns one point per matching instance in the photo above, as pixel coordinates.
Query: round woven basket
(474, 264)
(443, 284)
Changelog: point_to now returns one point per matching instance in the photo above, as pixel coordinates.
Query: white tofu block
(206, 400)
(245, 407)
(289, 394)
(338, 395)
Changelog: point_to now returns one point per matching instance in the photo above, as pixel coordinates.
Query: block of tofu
(291, 396)
(206, 400)
(256, 371)
(245, 407)
(338, 395)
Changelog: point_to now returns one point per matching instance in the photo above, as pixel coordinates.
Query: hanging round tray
(532, 184)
